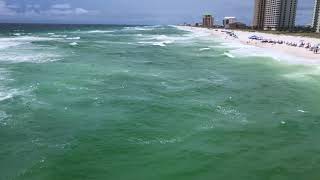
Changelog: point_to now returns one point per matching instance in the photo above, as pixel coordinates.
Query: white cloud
(61, 6)
(5, 10)
(80, 11)
(65, 10)
(35, 10)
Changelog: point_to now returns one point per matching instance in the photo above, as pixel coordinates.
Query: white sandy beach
(294, 53)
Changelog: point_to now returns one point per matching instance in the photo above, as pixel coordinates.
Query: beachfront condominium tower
(275, 14)
(316, 16)
(259, 12)
(207, 21)
(280, 14)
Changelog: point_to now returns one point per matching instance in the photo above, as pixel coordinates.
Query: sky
(134, 11)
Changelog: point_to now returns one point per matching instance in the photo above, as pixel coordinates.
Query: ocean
(152, 102)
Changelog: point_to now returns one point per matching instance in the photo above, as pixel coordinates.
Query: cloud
(80, 11)
(37, 10)
(5, 10)
(66, 10)
(61, 6)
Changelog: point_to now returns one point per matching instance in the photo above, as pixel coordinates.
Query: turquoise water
(155, 102)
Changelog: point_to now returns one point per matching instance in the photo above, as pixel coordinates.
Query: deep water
(151, 103)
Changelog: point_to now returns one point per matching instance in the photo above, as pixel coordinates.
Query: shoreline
(292, 53)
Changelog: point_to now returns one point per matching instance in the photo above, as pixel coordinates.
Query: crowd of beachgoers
(302, 44)
(300, 49)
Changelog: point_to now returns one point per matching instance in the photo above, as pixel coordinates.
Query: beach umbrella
(253, 37)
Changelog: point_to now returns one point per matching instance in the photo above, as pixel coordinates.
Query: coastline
(291, 53)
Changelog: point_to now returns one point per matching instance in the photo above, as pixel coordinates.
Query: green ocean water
(152, 102)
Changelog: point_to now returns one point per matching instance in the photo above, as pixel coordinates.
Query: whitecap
(74, 44)
(17, 41)
(59, 36)
(302, 111)
(34, 57)
(99, 31)
(229, 55)
(74, 38)
(146, 28)
(161, 44)
(204, 49)
(7, 44)
(8, 94)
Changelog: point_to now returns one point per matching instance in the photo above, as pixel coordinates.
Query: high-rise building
(259, 12)
(316, 16)
(228, 20)
(275, 14)
(288, 14)
(280, 14)
(207, 21)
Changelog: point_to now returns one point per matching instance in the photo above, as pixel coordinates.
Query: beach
(291, 53)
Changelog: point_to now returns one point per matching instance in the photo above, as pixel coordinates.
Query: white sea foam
(228, 55)
(162, 141)
(232, 114)
(145, 28)
(99, 31)
(163, 40)
(204, 49)
(3, 117)
(19, 52)
(207, 125)
(74, 38)
(7, 44)
(59, 36)
(16, 41)
(8, 94)
(74, 44)
(17, 34)
(34, 57)
(159, 40)
(302, 111)
(161, 44)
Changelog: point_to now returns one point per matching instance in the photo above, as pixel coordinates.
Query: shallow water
(151, 102)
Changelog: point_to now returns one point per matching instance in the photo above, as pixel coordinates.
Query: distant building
(275, 14)
(237, 25)
(316, 16)
(228, 20)
(259, 13)
(207, 21)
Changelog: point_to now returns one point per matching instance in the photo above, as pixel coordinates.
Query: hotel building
(316, 16)
(228, 20)
(275, 14)
(259, 12)
(207, 21)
